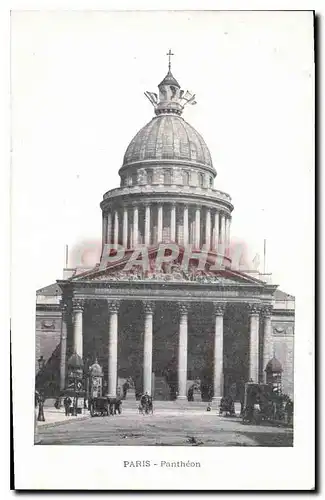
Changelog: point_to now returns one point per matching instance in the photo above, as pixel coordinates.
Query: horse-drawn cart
(263, 404)
(99, 407)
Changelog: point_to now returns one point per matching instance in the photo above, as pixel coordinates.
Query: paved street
(164, 428)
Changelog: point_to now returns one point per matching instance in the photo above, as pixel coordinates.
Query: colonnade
(166, 222)
(254, 311)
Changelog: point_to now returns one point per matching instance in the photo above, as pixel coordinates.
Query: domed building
(165, 306)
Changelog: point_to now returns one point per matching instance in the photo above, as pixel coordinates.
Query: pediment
(174, 271)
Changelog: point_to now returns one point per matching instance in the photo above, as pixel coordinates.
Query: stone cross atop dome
(171, 99)
(169, 54)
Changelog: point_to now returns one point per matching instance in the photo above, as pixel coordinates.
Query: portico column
(219, 310)
(147, 225)
(125, 228)
(109, 228)
(185, 226)
(116, 221)
(147, 346)
(182, 351)
(216, 231)
(78, 306)
(173, 222)
(197, 227)
(113, 307)
(254, 318)
(63, 350)
(160, 223)
(267, 337)
(135, 226)
(208, 229)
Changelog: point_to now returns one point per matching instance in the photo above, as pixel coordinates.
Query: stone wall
(157, 175)
(48, 334)
(283, 339)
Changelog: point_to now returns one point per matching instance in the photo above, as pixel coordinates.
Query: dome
(274, 366)
(96, 369)
(168, 137)
(75, 361)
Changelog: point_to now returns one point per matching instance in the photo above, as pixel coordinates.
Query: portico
(154, 332)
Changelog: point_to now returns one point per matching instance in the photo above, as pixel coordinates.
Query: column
(160, 223)
(147, 238)
(197, 227)
(222, 241)
(125, 228)
(131, 235)
(135, 226)
(228, 220)
(173, 223)
(185, 225)
(267, 337)
(77, 305)
(208, 229)
(116, 221)
(219, 310)
(254, 318)
(109, 228)
(216, 231)
(104, 229)
(147, 346)
(63, 345)
(113, 307)
(182, 351)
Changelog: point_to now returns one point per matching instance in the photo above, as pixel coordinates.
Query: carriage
(263, 403)
(99, 406)
(104, 406)
(227, 407)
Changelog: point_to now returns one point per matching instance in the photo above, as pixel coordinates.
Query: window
(193, 151)
(211, 182)
(186, 178)
(123, 180)
(134, 178)
(167, 177)
(201, 179)
(149, 176)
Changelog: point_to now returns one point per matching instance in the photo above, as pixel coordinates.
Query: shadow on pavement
(268, 439)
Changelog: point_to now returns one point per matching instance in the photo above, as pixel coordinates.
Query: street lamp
(39, 395)
(41, 363)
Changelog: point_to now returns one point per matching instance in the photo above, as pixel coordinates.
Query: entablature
(155, 194)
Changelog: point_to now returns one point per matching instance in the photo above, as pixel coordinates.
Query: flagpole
(66, 256)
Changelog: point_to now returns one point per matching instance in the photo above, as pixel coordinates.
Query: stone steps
(169, 405)
(131, 403)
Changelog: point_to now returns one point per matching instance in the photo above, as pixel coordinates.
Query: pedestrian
(118, 404)
(67, 403)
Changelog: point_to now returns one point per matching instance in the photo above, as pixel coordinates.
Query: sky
(77, 87)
